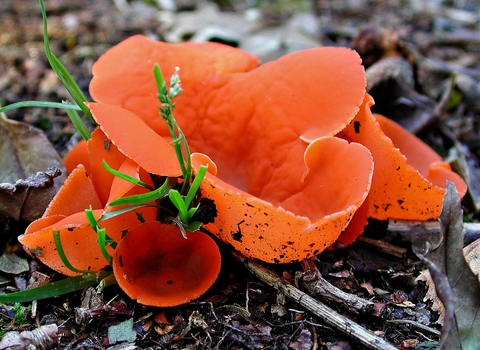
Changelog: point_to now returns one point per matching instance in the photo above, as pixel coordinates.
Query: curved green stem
(43, 104)
(61, 253)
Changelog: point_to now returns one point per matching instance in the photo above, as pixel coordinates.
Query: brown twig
(383, 246)
(316, 285)
(328, 315)
(418, 325)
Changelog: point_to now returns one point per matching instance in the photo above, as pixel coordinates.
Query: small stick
(328, 315)
(418, 325)
(316, 285)
(383, 246)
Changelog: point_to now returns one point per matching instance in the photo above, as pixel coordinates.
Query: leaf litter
(456, 285)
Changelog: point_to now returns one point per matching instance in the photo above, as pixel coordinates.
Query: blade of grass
(54, 289)
(101, 236)
(62, 73)
(112, 214)
(61, 253)
(195, 185)
(105, 282)
(126, 177)
(177, 200)
(94, 223)
(78, 124)
(44, 104)
(148, 197)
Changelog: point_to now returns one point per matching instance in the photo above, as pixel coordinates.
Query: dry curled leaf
(12, 263)
(303, 341)
(44, 337)
(29, 164)
(456, 285)
(122, 332)
(27, 199)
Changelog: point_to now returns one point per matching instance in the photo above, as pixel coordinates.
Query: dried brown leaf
(456, 285)
(12, 263)
(303, 341)
(28, 164)
(44, 337)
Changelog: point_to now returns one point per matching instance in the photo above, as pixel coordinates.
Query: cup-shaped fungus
(170, 270)
(410, 178)
(83, 190)
(402, 186)
(268, 129)
(337, 176)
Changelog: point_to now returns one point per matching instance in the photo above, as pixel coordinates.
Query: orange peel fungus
(295, 158)
(282, 189)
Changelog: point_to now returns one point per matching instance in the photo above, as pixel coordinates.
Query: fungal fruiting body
(296, 161)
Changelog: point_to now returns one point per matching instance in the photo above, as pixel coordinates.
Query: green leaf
(158, 77)
(54, 289)
(166, 112)
(91, 218)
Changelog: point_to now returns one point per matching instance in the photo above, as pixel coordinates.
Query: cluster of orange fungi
(296, 162)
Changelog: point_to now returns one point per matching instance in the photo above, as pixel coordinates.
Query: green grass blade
(101, 236)
(44, 104)
(202, 171)
(61, 253)
(177, 200)
(91, 219)
(61, 71)
(112, 214)
(74, 89)
(79, 124)
(109, 280)
(148, 197)
(54, 289)
(125, 177)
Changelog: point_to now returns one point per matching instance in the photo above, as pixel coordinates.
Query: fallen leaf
(368, 287)
(457, 286)
(122, 332)
(12, 263)
(303, 341)
(44, 337)
(27, 199)
(29, 164)
(472, 256)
